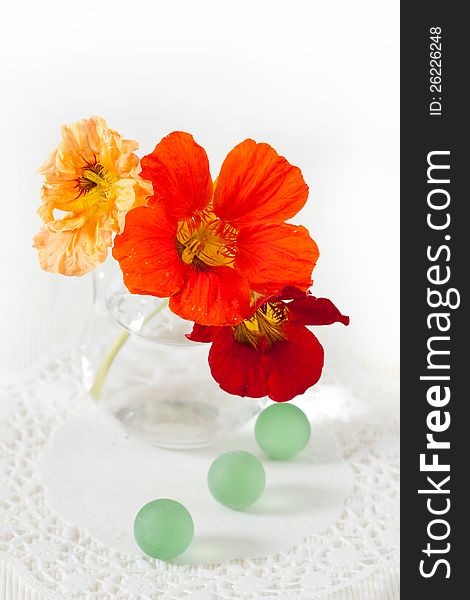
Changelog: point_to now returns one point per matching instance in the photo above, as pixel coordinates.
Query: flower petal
(203, 333)
(272, 256)
(216, 296)
(73, 252)
(295, 363)
(239, 369)
(315, 311)
(147, 253)
(256, 185)
(67, 223)
(71, 201)
(179, 171)
(290, 292)
(126, 194)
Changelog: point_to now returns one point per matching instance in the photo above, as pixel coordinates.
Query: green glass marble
(163, 529)
(282, 431)
(236, 479)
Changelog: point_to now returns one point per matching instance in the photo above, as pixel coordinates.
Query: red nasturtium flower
(208, 245)
(272, 353)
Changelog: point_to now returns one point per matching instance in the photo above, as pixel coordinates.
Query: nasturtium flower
(209, 245)
(272, 353)
(91, 181)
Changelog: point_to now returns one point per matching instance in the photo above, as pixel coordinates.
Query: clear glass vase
(138, 365)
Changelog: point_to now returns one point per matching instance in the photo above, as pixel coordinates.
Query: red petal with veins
(295, 364)
(256, 185)
(203, 333)
(274, 255)
(179, 171)
(239, 369)
(315, 311)
(147, 254)
(216, 296)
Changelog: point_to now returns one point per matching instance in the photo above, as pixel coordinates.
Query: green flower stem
(97, 387)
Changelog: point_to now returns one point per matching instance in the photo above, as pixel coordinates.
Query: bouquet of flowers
(221, 251)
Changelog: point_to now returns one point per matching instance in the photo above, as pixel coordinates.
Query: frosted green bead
(236, 479)
(163, 529)
(282, 431)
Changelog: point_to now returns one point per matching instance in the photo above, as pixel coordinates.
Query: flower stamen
(94, 182)
(265, 324)
(205, 244)
(92, 175)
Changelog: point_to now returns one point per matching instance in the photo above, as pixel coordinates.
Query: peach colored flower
(91, 182)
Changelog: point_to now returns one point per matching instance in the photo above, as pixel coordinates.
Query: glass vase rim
(117, 287)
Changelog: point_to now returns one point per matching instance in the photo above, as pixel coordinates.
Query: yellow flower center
(266, 323)
(95, 182)
(206, 243)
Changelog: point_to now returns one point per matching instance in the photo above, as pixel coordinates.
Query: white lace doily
(98, 477)
(62, 560)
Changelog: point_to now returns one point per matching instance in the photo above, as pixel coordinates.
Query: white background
(317, 80)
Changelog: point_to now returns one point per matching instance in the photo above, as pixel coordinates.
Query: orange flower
(209, 246)
(91, 182)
